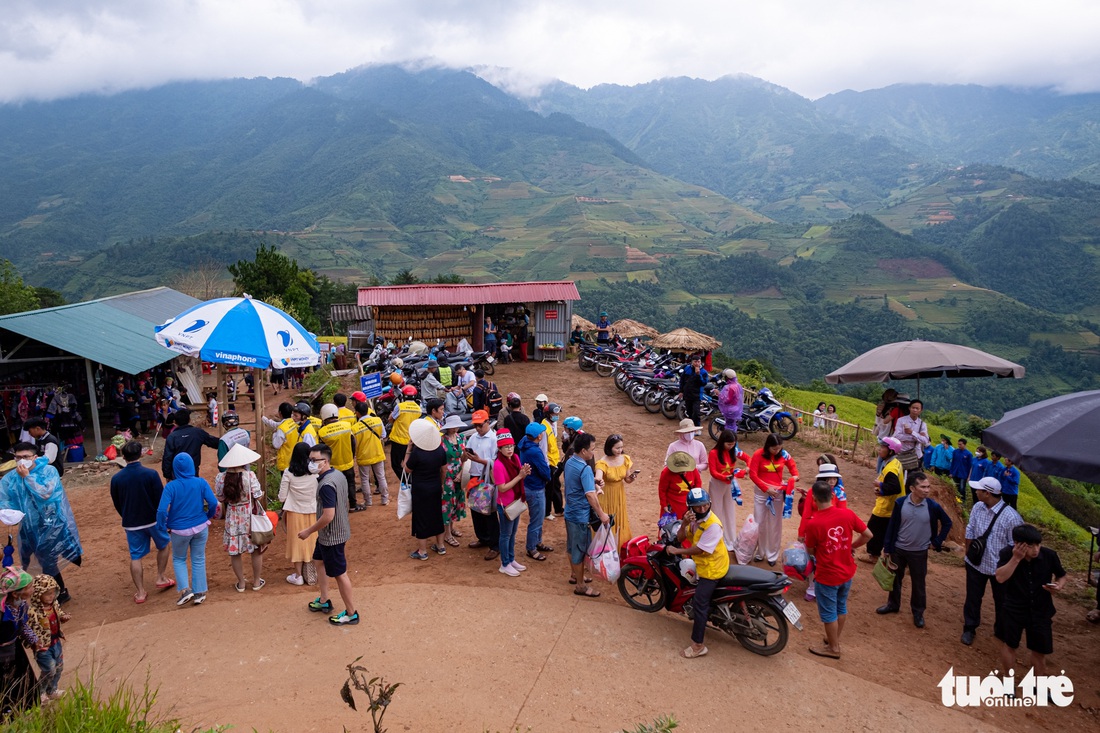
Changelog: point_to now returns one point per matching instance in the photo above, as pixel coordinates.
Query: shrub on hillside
(1076, 508)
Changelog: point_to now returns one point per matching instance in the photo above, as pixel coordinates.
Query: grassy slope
(1033, 505)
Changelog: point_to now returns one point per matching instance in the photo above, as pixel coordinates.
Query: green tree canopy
(274, 275)
(15, 296)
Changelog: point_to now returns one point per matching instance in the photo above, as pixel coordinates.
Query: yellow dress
(613, 498)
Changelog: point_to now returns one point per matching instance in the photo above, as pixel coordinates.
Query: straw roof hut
(684, 339)
(583, 323)
(629, 329)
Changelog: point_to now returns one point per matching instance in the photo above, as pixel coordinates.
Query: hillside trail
(476, 650)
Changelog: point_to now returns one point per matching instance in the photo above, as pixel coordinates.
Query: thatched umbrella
(629, 329)
(583, 323)
(684, 339)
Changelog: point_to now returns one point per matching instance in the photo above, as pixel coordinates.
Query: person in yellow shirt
(368, 432)
(285, 435)
(712, 561)
(301, 414)
(336, 434)
(403, 414)
(554, 505)
(889, 485)
(344, 412)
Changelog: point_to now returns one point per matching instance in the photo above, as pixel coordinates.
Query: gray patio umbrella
(1056, 437)
(921, 360)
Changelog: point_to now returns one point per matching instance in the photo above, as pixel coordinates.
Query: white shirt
(710, 538)
(485, 447)
(919, 434)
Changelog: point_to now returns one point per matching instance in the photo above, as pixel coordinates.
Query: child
(212, 408)
(819, 415)
(17, 683)
(45, 622)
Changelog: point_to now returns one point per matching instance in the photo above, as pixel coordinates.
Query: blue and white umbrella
(240, 331)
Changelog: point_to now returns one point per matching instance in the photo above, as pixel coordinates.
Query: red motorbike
(748, 603)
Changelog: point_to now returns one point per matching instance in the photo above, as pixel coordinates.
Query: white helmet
(687, 569)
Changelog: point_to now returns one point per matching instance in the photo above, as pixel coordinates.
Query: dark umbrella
(921, 360)
(1056, 437)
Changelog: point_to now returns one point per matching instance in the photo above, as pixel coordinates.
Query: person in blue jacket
(534, 488)
(996, 469)
(926, 461)
(186, 508)
(942, 456)
(1010, 483)
(960, 467)
(978, 470)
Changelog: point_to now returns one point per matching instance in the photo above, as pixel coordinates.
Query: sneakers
(509, 570)
(551, 516)
(344, 619)
(316, 605)
(57, 694)
(518, 567)
(295, 579)
(185, 597)
(199, 599)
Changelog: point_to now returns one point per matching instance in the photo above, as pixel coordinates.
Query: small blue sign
(371, 384)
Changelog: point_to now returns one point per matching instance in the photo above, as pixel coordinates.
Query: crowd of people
(520, 469)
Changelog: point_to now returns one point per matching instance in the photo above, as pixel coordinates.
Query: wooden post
(223, 396)
(855, 445)
(261, 442)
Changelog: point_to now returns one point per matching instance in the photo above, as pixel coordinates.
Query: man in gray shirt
(333, 531)
(917, 523)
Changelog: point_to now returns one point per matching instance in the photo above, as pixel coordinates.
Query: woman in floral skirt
(454, 497)
(236, 489)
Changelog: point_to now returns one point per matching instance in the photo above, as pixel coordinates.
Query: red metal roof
(469, 294)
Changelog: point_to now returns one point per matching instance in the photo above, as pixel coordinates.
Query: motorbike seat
(747, 575)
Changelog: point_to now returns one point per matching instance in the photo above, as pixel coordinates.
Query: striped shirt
(338, 530)
(999, 538)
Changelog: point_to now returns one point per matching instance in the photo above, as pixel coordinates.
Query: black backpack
(494, 402)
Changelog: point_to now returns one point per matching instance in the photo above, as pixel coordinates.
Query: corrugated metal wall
(555, 329)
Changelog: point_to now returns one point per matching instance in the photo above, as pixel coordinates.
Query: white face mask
(26, 462)
(314, 467)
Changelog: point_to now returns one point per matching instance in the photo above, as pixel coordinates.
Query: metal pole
(94, 404)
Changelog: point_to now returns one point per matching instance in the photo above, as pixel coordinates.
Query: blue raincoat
(48, 531)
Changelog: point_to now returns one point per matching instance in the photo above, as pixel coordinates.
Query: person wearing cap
(766, 471)
(539, 413)
(368, 432)
(344, 412)
(403, 415)
(534, 488)
(552, 451)
(692, 380)
(298, 493)
(916, 523)
(481, 452)
(284, 435)
(828, 472)
(829, 532)
(686, 442)
(135, 493)
(603, 329)
(237, 489)
(186, 438)
(990, 518)
(508, 476)
(18, 685)
(515, 421)
(679, 476)
(888, 486)
(336, 434)
(731, 401)
(712, 561)
(454, 493)
(234, 435)
(430, 386)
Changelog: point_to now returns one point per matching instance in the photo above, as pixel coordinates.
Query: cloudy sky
(54, 48)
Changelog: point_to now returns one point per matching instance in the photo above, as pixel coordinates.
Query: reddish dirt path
(478, 650)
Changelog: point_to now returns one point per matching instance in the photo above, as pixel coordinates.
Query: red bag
(111, 453)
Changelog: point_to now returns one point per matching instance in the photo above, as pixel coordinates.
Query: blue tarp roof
(116, 331)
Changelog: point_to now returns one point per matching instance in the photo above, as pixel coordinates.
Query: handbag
(884, 574)
(513, 510)
(603, 554)
(482, 498)
(262, 529)
(976, 551)
(404, 497)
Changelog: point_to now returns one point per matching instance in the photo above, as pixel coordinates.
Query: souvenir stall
(537, 314)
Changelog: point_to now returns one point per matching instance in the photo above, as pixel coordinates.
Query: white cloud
(53, 48)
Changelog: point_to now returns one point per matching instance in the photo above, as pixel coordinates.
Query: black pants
(878, 526)
(350, 476)
(487, 529)
(701, 604)
(397, 457)
(1010, 499)
(691, 409)
(917, 563)
(975, 593)
(554, 500)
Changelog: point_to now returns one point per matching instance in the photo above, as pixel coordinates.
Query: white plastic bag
(746, 540)
(404, 497)
(603, 554)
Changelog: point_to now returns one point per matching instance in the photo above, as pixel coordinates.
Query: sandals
(544, 548)
(139, 600)
(456, 533)
(240, 588)
(690, 653)
(587, 592)
(451, 541)
(573, 581)
(166, 586)
(359, 508)
(824, 651)
(536, 555)
(259, 585)
(439, 549)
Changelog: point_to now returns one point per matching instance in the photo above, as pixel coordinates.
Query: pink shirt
(692, 447)
(500, 477)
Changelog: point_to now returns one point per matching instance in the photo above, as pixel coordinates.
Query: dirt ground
(476, 650)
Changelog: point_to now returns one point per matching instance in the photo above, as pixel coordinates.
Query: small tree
(15, 295)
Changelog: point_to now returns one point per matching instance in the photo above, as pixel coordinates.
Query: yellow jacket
(407, 411)
(710, 565)
(346, 415)
(289, 430)
(367, 432)
(884, 505)
(337, 436)
(553, 455)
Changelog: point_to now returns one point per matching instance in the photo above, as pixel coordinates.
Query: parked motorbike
(765, 414)
(748, 603)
